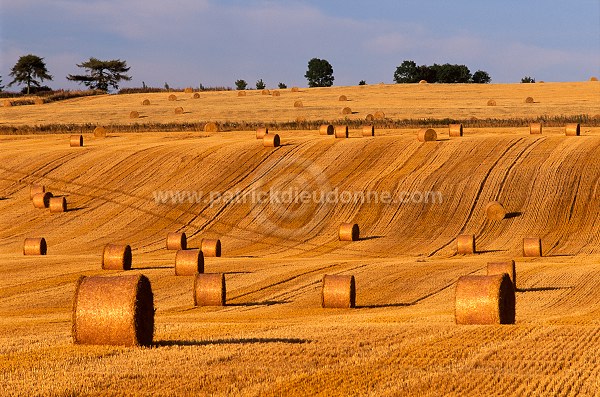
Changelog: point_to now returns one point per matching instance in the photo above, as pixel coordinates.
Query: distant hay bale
(368, 130)
(209, 289)
(495, 211)
(484, 300)
(465, 244)
(35, 189)
(261, 132)
(326, 129)
(172, 97)
(455, 130)
(211, 247)
(529, 99)
(379, 115)
(265, 92)
(211, 127)
(535, 128)
(196, 95)
(300, 119)
(573, 129)
(271, 140)
(38, 101)
(507, 267)
(134, 115)
(241, 93)
(295, 89)
(593, 78)
(341, 131)
(41, 200)
(179, 110)
(176, 241)
(100, 132)
(76, 141)
(369, 117)
(6, 103)
(116, 257)
(422, 81)
(532, 246)
(427, 135)
(146, 102)
(58, 204)
(117, 310)
(349, 232)
(188, 90)
(35, 246)
(298, 104)
(491, 102)
(189, 262)
(346, 110)
(276, 93)
(338, 292)
(343, 98)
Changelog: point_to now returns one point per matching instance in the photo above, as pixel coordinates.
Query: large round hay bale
(465, 244)
(146, 102)
(368, 130)
(532, 246)
(176, 241)
(41, 200)
(241, 93)
(529, 99)
(116, 257)
(35, 189)
(38, 101)
(300, 119)
(271, 140)
(341, 131)
(369, 117)
(349, 232)
(295, 89)
(422, 81)
(276, 93)
(117, 310)
(507, 267)
(593, 78)
(338, 291)
(572, 129)
(211, 127)
(189, 262)
(484, 300)
(35, 246)
(76, 141)
(261, 132)
(188, 90)
(298, 104)
(211, 247)
(535, 128)
(495, 211)
(343, 98)
(265, 92)
(58, 204)
(100, 132)
(134, 114)
(196, 95)
(178, 110)
(455, 130)
(427, 135)
(172, 97)
(209, 289)
(491, 102)
(346, 110)
(326, 129)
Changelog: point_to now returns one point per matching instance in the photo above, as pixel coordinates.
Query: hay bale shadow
(511, 215)
(541, 289)
(230, 341)
(369, 238)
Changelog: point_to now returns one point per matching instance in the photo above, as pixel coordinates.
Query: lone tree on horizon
(102, 74)
(28, 69)
(319, 73)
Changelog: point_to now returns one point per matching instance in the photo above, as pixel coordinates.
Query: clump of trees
(29, 70)
(409, 72)
(319, 73)
(101, 75)
(527, 79)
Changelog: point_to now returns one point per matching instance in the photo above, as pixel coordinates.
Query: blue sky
(210, 42)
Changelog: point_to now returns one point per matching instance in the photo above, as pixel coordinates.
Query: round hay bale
(211, 247)
(341, 131)
(593, 78)
(188, 90)
(271, 140)
(535, 128)
(211, 127)
(302, 119)
(146, 102)
(346, 110)
(261, 132)
(465, 244)
(100, 132)
(338, 292)
(35, 189)
(6, 103)
(179, 110)
(209, 289)
(455, 130)
(295, 89)
(41, 200)
(58, 204)
(35, 246)
(369, 117)
(379, 115)
(484, 300)
(38, 101)
(276, 93)
(116, 257)
(134, 115)
(117, 310)
(196, 95)
(491, 102)
(189, 262)
(495, 211)
(532, 246)
(349, 232)
(265, 92)
(76, 141)
(298, 104)
(176, 241)
(572, 129)
(241, 93)
(422, 81)
(507, 267)
(326, 129)
(368, 130)
(529, 99)
(427, 135)
(343, 98)
(172, 97)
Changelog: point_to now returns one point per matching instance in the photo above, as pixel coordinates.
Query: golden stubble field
(273, 338)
